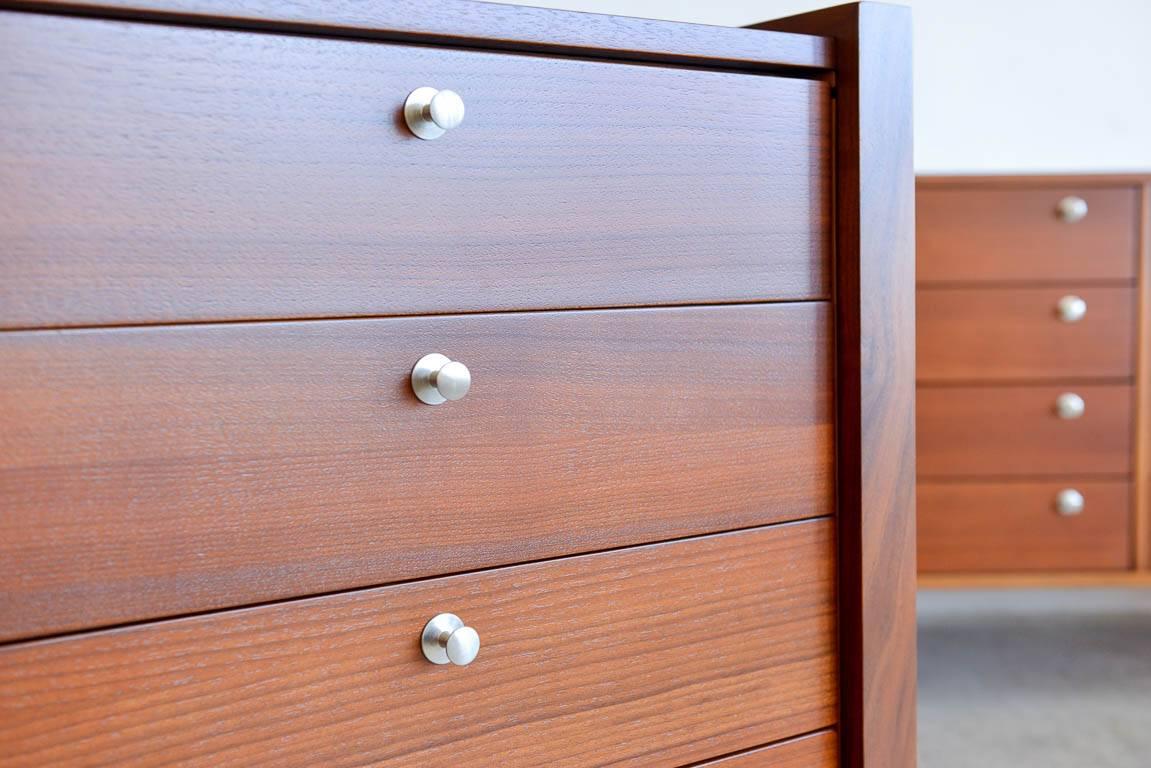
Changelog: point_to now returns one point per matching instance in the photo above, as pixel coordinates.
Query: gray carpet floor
(1035, 678)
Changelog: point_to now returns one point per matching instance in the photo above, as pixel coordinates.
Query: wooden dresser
(1034, 371)
(406, 383)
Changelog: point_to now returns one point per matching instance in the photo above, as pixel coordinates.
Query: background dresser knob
(447, 641)
(1069, 502)
(1071, 209)
(437, 379)
(1069, 406)
(1071, 309)
(430, 113)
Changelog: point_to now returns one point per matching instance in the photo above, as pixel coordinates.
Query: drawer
(662, 655)
(1022, 526)
(1025, 333)
(981, 234)
(1016, 431)
(148, 472)
(175, 174)
(819, 750)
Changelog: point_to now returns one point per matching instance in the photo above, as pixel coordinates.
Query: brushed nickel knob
(430, 113)
(1071, 209)
(437, 379)
(446, 640)
(1069, 406)
(1069, 502)
(1071, 308)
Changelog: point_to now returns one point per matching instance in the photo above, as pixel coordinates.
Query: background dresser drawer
(1016, 431)
(662, 655)
(173, 174)
(1021, 526)
(1019, 333)
(149, 472)
(969, 234)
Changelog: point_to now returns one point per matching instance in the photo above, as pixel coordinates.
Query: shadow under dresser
(453, 382)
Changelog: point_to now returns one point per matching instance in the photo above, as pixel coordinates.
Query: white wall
(1000, 85)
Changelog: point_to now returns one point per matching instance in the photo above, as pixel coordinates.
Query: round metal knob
(1071, 309)
(1071, 209)
(437, 379)
(1069, 406)
(446, 640)
(430, 113)
(1069, 502)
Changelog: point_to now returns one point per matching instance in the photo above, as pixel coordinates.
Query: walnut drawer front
(993, 431)
(173, 174)
(149, 472)
(980, 234)
(818, 750)
(656, 656)
(998, 334)
(1019, 526)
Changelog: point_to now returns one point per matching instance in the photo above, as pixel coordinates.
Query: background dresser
(411, 383)
(1034, 371)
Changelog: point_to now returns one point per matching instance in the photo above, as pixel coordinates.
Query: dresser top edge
(483, 25)
(1008, 180)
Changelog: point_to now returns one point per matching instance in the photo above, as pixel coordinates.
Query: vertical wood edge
(1142, 467)
(875, 378)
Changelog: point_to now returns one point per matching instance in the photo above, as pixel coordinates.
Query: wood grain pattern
(171, 174)
(471, 24)
(148, 472)
(875, 365)
(999, 527)
(999, 233)
(650, 657)
(1002, 334)
(819, 750)
(1003, 431)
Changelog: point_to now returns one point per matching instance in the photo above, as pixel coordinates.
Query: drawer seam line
(98, 629)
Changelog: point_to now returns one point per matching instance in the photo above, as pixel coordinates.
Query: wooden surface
(819, 750)
(1038, 580)
(993, 261)
(151, 472)
(993, 258)
(1005, 334)
(1013, 431)
(649, 657)
(998, 527)
(1031, 181)
(728, 213)
(875, 364)
(173, 174)
(1143, 389)
(471, 24)
(994, 233)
